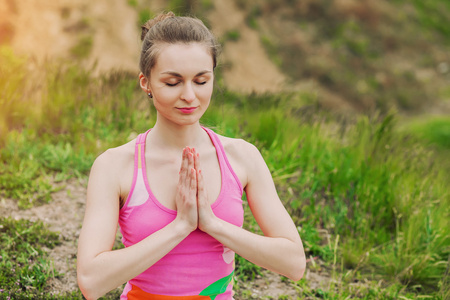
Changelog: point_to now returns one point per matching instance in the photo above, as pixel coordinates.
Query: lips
(187, 110)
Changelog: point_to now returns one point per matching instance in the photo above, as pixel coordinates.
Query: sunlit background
(351, 54)
(348, 101)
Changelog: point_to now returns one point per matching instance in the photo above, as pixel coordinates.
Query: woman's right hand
(186, 197)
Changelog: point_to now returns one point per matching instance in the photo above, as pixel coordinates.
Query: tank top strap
(140, 150)
(139, 156)
(223, 160)
(217, 144)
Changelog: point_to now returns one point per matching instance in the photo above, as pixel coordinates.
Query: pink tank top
(199, 267)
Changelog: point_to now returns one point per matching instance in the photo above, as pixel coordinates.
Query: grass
(232, 35)
(375, 188)
(144, 15)
(369, 200)
(434, 130)
(71, 144)
(272, 50)
(83, 48)
(24, 266)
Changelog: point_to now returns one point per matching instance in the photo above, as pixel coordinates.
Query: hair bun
(162, 16)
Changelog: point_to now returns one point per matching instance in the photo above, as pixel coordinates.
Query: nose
(188, 93)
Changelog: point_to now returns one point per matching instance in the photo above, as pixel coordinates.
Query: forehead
(183, 58)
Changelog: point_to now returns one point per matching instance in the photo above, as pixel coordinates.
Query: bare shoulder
(114, 168)
(240, 149)
(243, 156)
(111, 174)
(116, 158)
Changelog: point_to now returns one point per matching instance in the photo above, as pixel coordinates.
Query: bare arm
(280, 249)
(99, 268)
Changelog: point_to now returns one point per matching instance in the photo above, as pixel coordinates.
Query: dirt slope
(50, 29)
(108, 29)
(246, 65)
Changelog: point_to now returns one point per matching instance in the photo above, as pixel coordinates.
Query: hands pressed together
(191, 199)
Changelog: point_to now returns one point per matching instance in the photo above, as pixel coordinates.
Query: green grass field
(379, 190)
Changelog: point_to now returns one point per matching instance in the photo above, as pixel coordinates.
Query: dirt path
(64, 215)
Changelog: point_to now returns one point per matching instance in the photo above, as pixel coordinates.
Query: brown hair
(170, 29)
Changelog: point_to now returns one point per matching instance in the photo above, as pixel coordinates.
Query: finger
(188, 159)
(197, 161)
(201, 191)
(190, 165)
(191, 160)
(183, 168)
(193, 152)
(193, 185)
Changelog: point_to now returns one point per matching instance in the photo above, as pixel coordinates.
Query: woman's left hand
(206, 216)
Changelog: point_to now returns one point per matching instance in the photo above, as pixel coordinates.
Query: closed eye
(176, 83)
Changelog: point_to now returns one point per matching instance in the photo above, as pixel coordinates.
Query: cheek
(165, 96)
(206, 93)
(159, 103)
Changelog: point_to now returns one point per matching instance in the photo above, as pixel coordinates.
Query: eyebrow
(175, 74)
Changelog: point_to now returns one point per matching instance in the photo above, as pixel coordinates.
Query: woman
(176, 190)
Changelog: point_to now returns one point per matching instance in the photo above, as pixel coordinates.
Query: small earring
(150, 95)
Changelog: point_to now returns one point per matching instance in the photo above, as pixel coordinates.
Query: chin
(187, 122)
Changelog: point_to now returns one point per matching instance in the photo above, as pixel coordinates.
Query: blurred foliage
(74, 113)
(232, 35)
(435, 130)
(369, 197)
(433, 15)
(375, 55)
(83, 48)
(197, 8)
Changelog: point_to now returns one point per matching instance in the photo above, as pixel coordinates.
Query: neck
(176, 137)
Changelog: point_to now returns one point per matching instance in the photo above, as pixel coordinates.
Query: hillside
(370, 54)
(346, 54)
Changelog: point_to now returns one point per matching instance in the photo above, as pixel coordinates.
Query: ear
(144, 82)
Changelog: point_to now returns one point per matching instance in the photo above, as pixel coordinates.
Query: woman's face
(181, 82)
